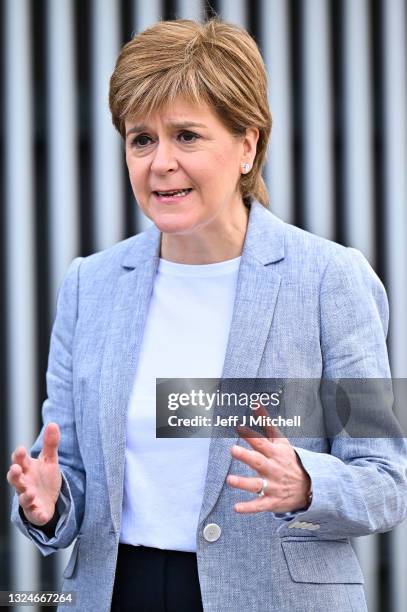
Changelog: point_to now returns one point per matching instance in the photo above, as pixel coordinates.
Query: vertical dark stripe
(127, 32)
(5, 528)
(297, 78)
(43, 268)
(126, 21)
(338, 109)
(378, 113)
(83, 75)
(41, 203)
(170, 10)
(129, 29)
(253, 19)
(386, 598)
(385, 594)
(211, 8)
(131, 206)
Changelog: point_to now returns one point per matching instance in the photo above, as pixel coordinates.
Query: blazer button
(212, 532)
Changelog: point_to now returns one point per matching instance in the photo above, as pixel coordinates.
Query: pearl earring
(245, 167)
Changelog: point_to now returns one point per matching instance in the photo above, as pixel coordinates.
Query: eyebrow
(183, 125)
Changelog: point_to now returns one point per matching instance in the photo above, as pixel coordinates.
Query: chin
(174, 223)
(173, 227)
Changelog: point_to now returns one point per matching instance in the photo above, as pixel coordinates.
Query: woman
(217, 287)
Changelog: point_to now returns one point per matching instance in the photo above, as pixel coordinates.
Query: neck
(219, 240)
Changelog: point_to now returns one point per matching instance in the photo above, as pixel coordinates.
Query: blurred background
(337, 167)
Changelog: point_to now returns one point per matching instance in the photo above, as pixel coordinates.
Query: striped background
(337, 167)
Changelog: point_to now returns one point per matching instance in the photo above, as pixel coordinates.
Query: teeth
(171, 193)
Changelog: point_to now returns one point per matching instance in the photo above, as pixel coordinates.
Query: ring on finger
(262, 491)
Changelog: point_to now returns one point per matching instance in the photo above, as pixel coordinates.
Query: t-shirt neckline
(172, 268)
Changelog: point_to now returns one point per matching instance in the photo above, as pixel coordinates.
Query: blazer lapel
(256, 295)
(126, 325)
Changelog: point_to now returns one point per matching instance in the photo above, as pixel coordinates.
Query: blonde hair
(215, 63)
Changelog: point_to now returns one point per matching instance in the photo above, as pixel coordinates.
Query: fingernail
(232, 479)
(237, 450)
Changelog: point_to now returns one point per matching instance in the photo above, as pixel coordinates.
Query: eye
(138, 142)
(189, 134)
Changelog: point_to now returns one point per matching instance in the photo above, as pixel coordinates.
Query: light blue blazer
(305, 307)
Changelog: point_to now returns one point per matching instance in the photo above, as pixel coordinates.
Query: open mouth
(179, 192)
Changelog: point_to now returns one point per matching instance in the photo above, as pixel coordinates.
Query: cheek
(136, 176)
(227, 163)
(209, 174)
(223, 175)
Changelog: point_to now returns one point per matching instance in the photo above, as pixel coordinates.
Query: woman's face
(186, 147)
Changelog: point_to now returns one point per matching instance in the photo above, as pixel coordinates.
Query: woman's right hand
(38, 481)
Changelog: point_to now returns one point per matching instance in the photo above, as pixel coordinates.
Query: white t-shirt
(185, 336)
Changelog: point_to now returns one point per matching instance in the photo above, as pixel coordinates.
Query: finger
(262, 504)
(14, 477)
(52, 437)
(21, 457)
(252, 485)
(253, 459)
(272, 431)
(259, 443)
(247, 432)
(26, 499)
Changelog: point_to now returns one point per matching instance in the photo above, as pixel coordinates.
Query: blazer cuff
(48, 535)
(66, 527)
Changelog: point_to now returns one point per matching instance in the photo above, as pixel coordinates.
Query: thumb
(52, 438)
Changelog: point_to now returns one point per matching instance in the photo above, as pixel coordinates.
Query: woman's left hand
(273, 458)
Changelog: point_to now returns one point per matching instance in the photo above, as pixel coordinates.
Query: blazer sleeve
(59, 408)
(361, 486)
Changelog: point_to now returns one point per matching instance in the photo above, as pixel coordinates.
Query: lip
(169, 199)
(173, 189)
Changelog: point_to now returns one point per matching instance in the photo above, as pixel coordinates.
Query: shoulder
(294, 250)
(309, 255)
(309, 251)
(308, 258)
(317, 266)
(96, 275)
(339, 271)
(125, 253)
(128, 253)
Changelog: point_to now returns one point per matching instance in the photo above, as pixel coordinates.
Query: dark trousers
(155, 580)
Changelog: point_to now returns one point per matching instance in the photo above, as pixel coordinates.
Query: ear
(250, 144)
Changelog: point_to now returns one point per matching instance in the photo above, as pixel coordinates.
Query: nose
(164, 159)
